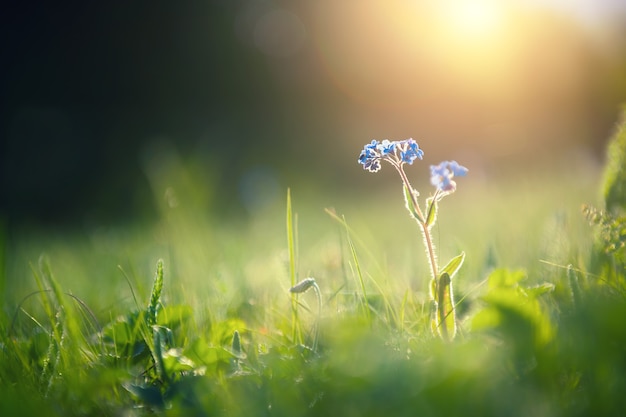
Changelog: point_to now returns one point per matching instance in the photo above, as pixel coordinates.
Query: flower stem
(430, 248)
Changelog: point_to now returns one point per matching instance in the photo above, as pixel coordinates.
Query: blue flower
(372, 165)
(441, 175)
(386, 147)
(410, 151)
(457, 170)
(370, 157)
(374, 152)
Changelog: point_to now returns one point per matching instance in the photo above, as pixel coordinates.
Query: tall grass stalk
(359, 275)
(296, 332)
(155, 296)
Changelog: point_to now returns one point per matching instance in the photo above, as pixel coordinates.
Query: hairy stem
(430, 248)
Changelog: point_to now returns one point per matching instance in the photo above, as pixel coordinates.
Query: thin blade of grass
(296, 333)
(359, 273)
(130, 285)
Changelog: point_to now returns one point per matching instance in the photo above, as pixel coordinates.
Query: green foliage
(410, 196)
(614, 189)
(547, 342)
(445, 316)
(443, 322)
(454, 265)
(431, 212)
(611, 228)
(514, 312)
(610, 252)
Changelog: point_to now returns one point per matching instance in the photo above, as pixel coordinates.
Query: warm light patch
(388, 53)
(474, 18)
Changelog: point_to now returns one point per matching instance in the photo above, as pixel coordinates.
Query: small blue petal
(438, 169)
(441, 175)
(386, 147)
(372, 145)
(457, 170)
(370, 157)
(408, 157)
(410, 151)
(372, 165)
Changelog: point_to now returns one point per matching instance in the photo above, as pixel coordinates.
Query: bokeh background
(99, 98)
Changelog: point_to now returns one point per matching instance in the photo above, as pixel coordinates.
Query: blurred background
(99, 99)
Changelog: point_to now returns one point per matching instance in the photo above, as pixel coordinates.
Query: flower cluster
(397, 153)
(441, 175)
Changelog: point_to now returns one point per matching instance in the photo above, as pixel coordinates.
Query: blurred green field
(89, 352)
(515, 221)
(185, 229)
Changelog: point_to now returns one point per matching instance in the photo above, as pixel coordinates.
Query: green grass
(95, 327)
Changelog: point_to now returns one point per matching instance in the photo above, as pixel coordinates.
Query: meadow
(318, 303)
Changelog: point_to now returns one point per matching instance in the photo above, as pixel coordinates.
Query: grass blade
(296, 333)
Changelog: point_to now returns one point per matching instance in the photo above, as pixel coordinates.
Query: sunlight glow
(473, 17)
(466, 41)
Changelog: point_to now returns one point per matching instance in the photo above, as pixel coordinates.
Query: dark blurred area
(281, 90)
(89, 85)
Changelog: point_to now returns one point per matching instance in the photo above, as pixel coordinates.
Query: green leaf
(175, 361)
(214, 358)
(408, 199)
(431, 212)
(174, 316)
(446, 317)
(487, 318)
(453, 266)
(504, 278)
(516, 313)
(222, 331)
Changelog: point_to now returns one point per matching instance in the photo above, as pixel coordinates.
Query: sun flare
(473, 18)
